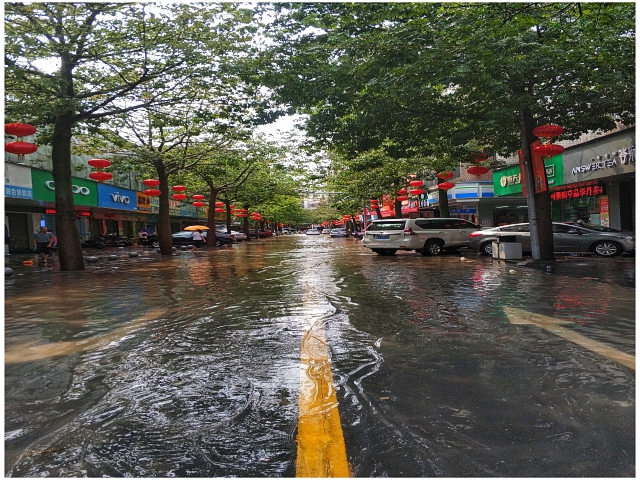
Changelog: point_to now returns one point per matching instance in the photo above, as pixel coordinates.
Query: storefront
(592, 181)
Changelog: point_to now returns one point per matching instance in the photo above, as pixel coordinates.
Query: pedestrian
(142, 236)
(43, 240)
(198, 240)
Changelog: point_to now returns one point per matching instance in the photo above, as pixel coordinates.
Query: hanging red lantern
(179, 196)
(178, 188)
(100, 176)
(99, 162)
(402, 198)
(548, 131)
(219, 210)
(416, 183)
(151, 182)
(479, 157)
(446, 185)
(20, 148)
(445, 175)
(373, 200)
(402, 191)
(219, 204)
(19, 129)
(416, 191)
(548, 149)
(241, 215)
(197, 197)
(477, 170)
(152, 192)
(198, 204)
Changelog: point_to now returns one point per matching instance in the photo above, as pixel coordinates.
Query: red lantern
(150, 182)
(178, 188)
(198, 204)
(373, 200)
(479, 157)
(100, 176)
(402, 198)
(548, 149)
(99, 162)
(219, 210)
(402, 191)
(219, 204)
(477, 170)
(197, 197)
(416, 191)
(241, 215)
(20, 148)
(152, 192)
(179, 196)
(416, 183)
(446, 185)
(19, 129)
(445, 175)
(548, 131)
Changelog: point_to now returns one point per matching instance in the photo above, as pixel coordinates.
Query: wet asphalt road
(192, 366)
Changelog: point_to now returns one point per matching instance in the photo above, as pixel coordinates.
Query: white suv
(429, 236)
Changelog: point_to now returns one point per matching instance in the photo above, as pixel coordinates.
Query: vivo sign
(116, 197)
(110, 196)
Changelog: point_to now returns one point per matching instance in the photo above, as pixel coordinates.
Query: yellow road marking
(321, 448)
(522, 317)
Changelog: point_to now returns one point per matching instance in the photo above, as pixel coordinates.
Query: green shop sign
(85, 192)
(508, 182)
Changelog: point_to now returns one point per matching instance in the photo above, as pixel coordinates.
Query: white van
(429, 236)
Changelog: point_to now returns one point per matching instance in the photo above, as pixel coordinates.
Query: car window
(559, 228)
(431, 223)
(390, 225)
(515, 228)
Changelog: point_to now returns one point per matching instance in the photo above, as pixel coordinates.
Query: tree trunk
(245, 223)
(164, 224)
(69, 243)
(443, 201)
(397, 206)
(539, 204)
(211, 217)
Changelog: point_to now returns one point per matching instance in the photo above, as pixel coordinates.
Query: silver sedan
(566, 238)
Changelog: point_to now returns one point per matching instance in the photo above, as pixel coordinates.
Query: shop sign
(604, 210)
(111, 196)
(624, 156)
(188, 210)
(79, 213)
(17, 181)
(44, 189)
(508, 181)
(144, 202)
(463, 210)
(577, 192)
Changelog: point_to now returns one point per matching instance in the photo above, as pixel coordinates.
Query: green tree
(112, 58)
(429, 79)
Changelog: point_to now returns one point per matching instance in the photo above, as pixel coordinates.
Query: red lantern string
(417, 191)
(402, 191)
(152, 192)
(20, 148)
(179, 196)
(19, 129)
(445, 175)
(477, 170)
(446, 185)
(416, 183)
(99, 162)
(548, 131)
(198, 204)
(219, 210)
(548, 149)
(151, 182)
(178, 188)
(100, 176)
(197, 197)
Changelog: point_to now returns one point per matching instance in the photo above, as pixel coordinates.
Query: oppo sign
(74, 188)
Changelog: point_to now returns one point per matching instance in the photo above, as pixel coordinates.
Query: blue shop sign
(18, 192)
(116, 197)
(462, 210)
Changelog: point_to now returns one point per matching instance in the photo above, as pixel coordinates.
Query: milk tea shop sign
(508, 181)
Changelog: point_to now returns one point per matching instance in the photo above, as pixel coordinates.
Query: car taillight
(475, 234)
(409, 231)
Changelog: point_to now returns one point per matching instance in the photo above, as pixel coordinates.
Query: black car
(184, 238)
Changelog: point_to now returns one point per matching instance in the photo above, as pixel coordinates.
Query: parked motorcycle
(116, 241)
(97, 243)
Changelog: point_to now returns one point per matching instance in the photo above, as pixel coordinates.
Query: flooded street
(225, 363)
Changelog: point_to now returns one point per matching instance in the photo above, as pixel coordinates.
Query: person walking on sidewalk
(43, 240)
(198, 240)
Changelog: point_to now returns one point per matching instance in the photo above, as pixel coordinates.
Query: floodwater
(195, 366)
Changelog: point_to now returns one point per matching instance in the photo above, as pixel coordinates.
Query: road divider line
(321, 448)
(521, 317)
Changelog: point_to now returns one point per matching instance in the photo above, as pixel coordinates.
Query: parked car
(429, 236)
(338, 232)
(566, 238)
(313, 231)
(237, 236)
(184, 238)
(325, 231)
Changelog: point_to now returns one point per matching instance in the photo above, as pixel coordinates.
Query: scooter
(98, 243)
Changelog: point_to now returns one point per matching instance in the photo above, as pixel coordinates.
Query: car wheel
(607, 249)
(486, 248)
(218, 243)
(155, 244)
(432, 247)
